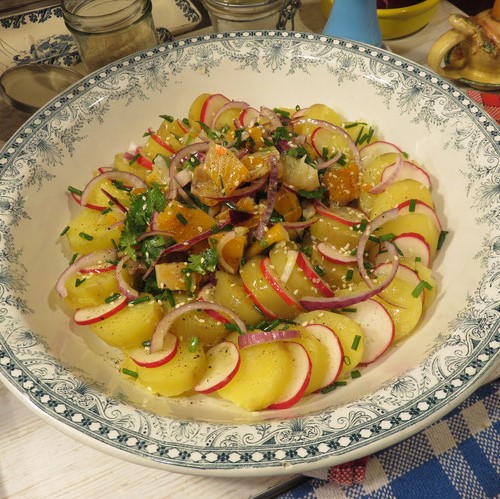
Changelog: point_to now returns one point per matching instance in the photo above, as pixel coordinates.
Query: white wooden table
(38, 461)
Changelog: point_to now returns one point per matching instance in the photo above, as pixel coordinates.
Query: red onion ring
(251, 339)
(123, 285)
(300, 225)
(315, 303)
(125, 177)
(371, 227)
(229, 105)
(272, 191)
(176, 160)
(242, 192)
(337, 129)
(83, 262)
(326, 164)
(382, 186)
(163, 327)
(151, 233)
(270, 115)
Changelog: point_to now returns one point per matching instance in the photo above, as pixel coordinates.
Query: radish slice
(125, 177)
(258, 304)
(223, 362)
(417, 206)
(250, 339)
(329, 339)
(87, 261)
(413, 245)
(371, 227)
(90, 315)
(343, 214)
(378, 148)
(123, 285)
(211, 105)
(378, 327)
(299, 377)
(163, 327)
(291, 259)
(248, 117)
(315, 303)
(307, 267)
(144, 358)
(406, 170)
(269, 116)
(160, 141)
(340, 131)
(332, 254)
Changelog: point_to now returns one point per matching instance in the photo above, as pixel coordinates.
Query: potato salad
(254, 254)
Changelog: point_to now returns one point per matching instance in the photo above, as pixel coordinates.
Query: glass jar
(236, 15)
(106, 30)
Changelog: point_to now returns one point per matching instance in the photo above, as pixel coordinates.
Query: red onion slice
(115, 201)
(300, 225)
(272, 191)
(272, 118)
(151, 233)
(127, 178)
(382, 186)
(371, 227)
(315, 303)
(326, 164)
(163, 327)
(249, 190)
(336, 129)
(176, 160)
(250, 339)
(123, 285)
(86, 261)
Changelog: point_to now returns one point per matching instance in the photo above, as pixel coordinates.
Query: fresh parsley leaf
(202, 263)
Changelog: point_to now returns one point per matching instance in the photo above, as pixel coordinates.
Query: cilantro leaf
(203, 263)
(139, 215)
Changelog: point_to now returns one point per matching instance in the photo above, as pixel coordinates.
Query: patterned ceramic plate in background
(61, 372)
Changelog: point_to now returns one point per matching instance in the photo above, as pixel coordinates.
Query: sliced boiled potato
(418, 223)
(338, 234)
(177, 376)
(229, 292)
(425, 274)
(265, 297)
(90, 231)
(397, 193)
(201, 324)
(131, 326)
(350, 334)
(263, 375)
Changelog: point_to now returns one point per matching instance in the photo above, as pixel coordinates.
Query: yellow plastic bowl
(396, 23)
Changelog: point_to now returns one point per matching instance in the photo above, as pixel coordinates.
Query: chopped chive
(86, 236)
(79, 282)
(259, 310)
(353, 252)
(355, 374)
(319, 270)
(232, 327)
(146, 134)
(134, 159)
(355, 343)
(361, 227)
(358, 138)
(374, 239)
(181, 218)
(441, 239)
(412, 205)
(64, 230)
(418, 259)
(193, 344)
(271, 325)
(74, 190)
(333, 386)
(349, 275)
(417, 291)
(263, 242)
(348, 309)
(73, 258)
(189, 284)
(112, 298)
(167, 293)
(387, 237)
(186, 121)
(141, 299)
(105, 211)
(128, 372)
(347, 360)
(167, 117)
(146, 343)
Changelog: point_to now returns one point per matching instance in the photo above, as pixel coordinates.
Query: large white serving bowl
(64, 374)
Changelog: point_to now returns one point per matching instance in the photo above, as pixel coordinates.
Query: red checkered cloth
(354, 472)
(489, 102)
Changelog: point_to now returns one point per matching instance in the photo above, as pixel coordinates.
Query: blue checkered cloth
(457, 457)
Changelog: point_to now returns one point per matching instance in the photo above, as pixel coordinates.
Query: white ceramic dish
(59, 371)
(40, 36)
